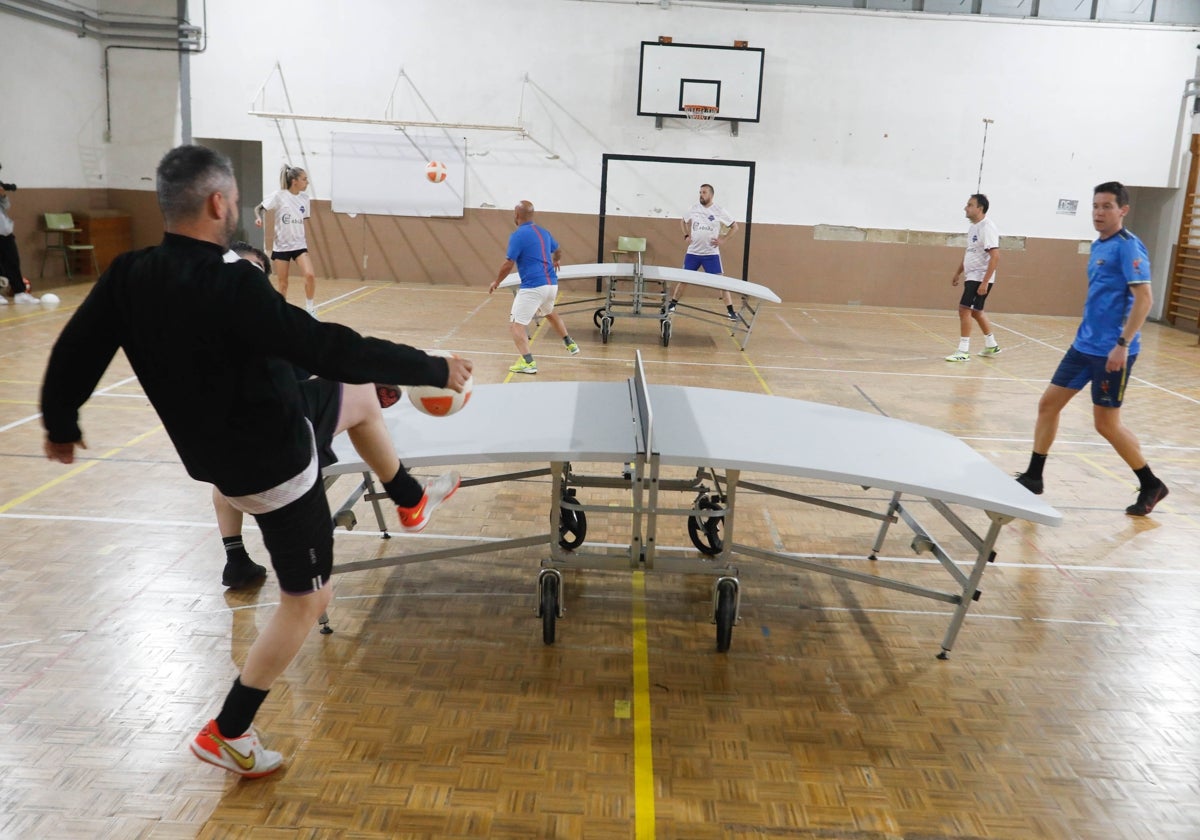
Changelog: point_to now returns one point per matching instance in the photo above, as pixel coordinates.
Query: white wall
(144, 91)
(52, 100)
(57, 114)
(872, 120)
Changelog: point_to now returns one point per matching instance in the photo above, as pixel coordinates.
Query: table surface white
(661, 273)
(595, 422)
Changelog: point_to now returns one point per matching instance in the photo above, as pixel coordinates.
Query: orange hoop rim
(701, 113)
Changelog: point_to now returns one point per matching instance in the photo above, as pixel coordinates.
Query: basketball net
(700, 117)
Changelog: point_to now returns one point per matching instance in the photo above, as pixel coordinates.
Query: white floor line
(103, 392)
(343, 296)
(397, 534)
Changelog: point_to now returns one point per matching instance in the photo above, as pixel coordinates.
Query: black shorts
(299, 539)
(971, 299)
(299, 535)
(288, 256)
(322, 405)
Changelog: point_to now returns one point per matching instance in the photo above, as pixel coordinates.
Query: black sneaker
(1147, 498)
(1033, 485)
(242, 572)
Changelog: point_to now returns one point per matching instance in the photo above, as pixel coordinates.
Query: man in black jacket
(213, 345)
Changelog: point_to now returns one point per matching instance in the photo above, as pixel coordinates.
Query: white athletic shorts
(531, 302)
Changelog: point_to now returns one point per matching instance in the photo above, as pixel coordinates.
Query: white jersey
(705, 223)
(291, 209)
(981, 238)
(6, 223)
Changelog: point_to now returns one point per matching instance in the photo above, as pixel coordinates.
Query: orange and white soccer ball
(435, 171)
(440, 402)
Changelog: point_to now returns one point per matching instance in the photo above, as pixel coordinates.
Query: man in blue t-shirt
(1105, 347)
(535, 255)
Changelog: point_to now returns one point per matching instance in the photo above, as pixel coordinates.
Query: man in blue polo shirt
(535, 255)
(1105, 347)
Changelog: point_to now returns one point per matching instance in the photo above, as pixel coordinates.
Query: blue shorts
(1077, 369)
(711, 263)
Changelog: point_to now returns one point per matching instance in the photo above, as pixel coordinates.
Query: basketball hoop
(700, 116)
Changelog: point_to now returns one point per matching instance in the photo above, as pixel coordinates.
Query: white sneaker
(25, 297)
(3, 300)
(244, 755)
(415, 519)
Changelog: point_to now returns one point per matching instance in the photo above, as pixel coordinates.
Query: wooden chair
(61, 233)
(629, 245)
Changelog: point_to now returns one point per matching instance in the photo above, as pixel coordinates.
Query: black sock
(528, 357)
(567, 340)
(1036, 462)
(730, 308)
(403, 489)
(234, 549)
(241, 705)
(1147, 478)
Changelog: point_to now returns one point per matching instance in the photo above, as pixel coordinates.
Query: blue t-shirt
(1115, 264)
(532, 248)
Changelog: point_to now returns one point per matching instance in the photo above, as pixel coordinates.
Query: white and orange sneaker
(414, 519)
(244, 755)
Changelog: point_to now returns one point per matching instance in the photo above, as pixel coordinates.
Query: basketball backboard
(673, 75)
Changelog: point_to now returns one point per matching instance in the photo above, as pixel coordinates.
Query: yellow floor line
(79, 468)
(643, 751)
(753, 368)
(536, 332)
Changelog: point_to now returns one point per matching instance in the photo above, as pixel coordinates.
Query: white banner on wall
(398, 175)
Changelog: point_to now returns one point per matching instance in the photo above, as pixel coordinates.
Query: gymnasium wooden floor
(1068, 708)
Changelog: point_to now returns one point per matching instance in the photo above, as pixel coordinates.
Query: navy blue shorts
(711, 263)
(1077, 369)
(288, 256)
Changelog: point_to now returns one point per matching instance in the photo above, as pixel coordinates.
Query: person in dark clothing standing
(10, 257)
(213, 345)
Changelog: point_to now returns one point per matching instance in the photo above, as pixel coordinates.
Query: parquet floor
(1068, 708)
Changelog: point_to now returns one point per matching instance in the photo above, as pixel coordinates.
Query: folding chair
(629, 245)
(60, 233)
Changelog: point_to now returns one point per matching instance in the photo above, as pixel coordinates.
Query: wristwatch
(1121, 342)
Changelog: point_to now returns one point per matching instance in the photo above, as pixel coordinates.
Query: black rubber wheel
(705, 531)
(549, 605)
(572, 524)
(726, 613)
(666, 332)
(597, 317)
(605, 329)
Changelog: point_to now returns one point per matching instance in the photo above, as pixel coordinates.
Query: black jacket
(210, 342)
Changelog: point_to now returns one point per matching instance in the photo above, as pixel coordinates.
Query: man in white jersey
(978, 272)
(705, 227)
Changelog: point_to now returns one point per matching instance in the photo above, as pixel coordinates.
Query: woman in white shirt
(292, 206)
